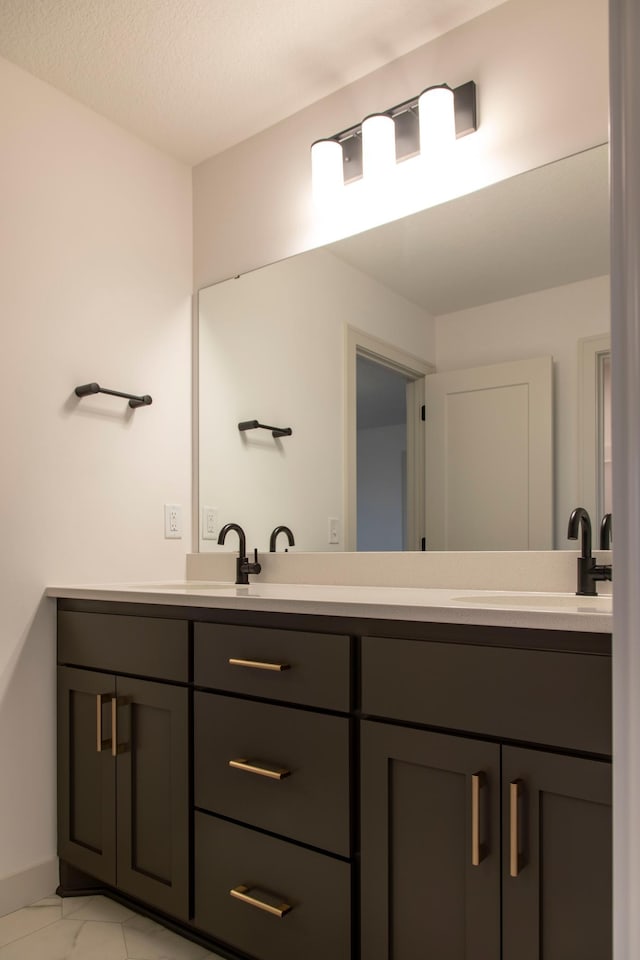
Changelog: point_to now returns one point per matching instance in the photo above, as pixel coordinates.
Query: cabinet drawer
(316, 887)
(541, 696)
(309, 751)
(144, 646)
(315, 665)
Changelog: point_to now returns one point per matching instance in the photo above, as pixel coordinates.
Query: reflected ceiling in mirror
(516, 271)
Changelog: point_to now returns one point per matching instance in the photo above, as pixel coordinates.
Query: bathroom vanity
(343, 773)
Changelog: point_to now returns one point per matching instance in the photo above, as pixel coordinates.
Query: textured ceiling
(194, 77)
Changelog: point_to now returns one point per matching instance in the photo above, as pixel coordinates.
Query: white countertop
(546, 611)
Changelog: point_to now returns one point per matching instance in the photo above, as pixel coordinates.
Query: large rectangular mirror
(487, 305)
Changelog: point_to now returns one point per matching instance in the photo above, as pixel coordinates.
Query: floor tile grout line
(81, 922)
(23, 936)
(70, 916)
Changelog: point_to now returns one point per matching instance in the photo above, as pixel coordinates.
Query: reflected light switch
(209, 523)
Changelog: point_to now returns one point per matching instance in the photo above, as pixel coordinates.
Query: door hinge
(423, 412)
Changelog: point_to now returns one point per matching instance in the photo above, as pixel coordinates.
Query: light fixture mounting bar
(405, 116)
(464, 105)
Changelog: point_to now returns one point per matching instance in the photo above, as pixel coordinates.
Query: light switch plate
(172, 521)
(209, 523)
(334, 532)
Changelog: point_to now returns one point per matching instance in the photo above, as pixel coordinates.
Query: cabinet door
(153, 794)
(430, 845)
(557, 857)
(86, 773)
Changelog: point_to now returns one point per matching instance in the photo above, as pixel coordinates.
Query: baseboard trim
(24, 888)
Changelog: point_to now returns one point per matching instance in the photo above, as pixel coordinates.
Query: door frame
(360, 343)
(591, 352)
(624, 67)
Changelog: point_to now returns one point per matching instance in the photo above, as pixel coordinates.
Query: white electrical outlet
(334, 532)
(209, 523)
(172, 521)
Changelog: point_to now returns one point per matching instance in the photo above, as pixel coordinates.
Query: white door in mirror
(489, 457)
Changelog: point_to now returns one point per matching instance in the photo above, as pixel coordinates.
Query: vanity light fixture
(378, 146)
(326, 169)
(426, 125)
(436, 120)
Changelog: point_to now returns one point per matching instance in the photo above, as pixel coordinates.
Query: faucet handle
(256, 566)
(605, 532)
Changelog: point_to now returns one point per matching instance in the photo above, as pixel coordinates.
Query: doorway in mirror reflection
(381, 438)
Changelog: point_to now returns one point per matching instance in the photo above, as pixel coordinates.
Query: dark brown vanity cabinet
(272, 791)
(288, 786)
(475, 849)
(123, 758)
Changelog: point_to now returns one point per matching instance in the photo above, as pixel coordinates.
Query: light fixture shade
(378, 146)
(437, 121)
(326, 170)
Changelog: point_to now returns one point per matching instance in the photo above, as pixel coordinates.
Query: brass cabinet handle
(100, 743)
(515, 794)
(261, 900)
(117, 748)
(478, 850)
(260, 768)
(258, 664)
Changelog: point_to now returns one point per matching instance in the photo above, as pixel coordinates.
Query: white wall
(541, 71)
(272, 349)
(95, 279)
(546, 323)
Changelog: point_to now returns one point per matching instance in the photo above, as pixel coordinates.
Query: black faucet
(588, 570)
(605, 532)
(274, 537)
(243, 567)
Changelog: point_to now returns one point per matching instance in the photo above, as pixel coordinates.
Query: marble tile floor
(90, 928)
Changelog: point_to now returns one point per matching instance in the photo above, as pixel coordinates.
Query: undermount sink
(186, 585)
(566, 601)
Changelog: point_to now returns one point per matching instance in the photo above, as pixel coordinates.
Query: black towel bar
(275, 431)
(87, 389)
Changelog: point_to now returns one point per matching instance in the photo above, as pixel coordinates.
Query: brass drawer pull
(516, 789)
(260, 768)
(478, 849)
(261, 900)
(258, 664)
(100, 742)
